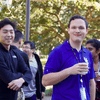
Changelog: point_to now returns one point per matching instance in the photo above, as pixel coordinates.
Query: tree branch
(44, 9)
(47, 38)
(92, 31)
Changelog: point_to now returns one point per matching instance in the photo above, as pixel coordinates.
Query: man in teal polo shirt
(69, 67)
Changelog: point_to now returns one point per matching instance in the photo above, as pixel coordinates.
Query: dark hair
(18, 35)
(78, 17)
(31, 44)
(6, 21)
(94, 42)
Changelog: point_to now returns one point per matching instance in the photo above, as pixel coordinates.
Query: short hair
(78, 17)
(94, 42)
(6, 21)
(32, 45)
(18, 36)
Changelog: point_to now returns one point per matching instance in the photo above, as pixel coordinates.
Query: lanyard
(77, 59)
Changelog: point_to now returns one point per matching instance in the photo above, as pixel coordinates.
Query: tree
(49, 20)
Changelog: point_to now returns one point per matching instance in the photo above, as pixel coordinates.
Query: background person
(17, 42)
(93, 45)
(69, 67)
(35, 88)
(13, 71)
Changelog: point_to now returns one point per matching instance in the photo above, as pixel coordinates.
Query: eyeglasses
(26, 47)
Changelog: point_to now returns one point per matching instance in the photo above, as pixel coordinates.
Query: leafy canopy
(49, 19)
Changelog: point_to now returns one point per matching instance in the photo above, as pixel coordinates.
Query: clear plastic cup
(85, 72)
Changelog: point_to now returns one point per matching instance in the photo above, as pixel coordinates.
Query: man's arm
(6, 75)
(24, 69)
(56, 77)
(92, 89)
(26, 76)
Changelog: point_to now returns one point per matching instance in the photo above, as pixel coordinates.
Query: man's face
(7, 35)
(27, 48)
(77, 30)
(92, 50)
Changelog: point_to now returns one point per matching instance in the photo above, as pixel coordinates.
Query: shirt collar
(2, 47)
(31, 60)
(68, 47)
(11, 47)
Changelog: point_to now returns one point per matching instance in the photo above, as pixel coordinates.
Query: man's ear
(20, 42)
(33, 50)
(68, 30)
(87, 31)
(99, 51)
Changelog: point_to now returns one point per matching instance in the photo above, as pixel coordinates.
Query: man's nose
(8, 33)
(77, 30)
(23, 48)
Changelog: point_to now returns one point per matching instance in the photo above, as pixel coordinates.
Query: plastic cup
(85, 72)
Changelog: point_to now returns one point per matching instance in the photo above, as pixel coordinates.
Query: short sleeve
(53, 62)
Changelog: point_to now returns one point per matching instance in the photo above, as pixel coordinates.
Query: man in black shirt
(13, 70)
(17, 43)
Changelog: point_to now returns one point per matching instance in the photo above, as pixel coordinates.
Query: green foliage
(48, 92)
(49, 20)
(44, 62)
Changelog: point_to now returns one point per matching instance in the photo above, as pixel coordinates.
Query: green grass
(48, 92)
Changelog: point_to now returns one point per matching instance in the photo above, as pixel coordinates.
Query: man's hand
(80, 68)
(97, 76)
(43, 94)
(16, 84)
